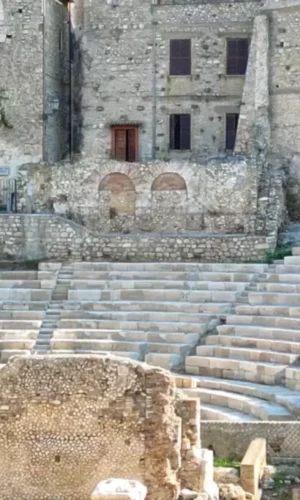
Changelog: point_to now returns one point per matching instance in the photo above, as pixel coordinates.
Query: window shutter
(237, 56)
(185, 131)
(180, 57)
(172, 131)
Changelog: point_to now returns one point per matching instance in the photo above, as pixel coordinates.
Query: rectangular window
(232, 120)
(180, 132)
(180, 57)
(237, 56)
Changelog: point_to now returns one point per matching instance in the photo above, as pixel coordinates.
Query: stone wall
(231, 439)
(56, 81)
(21, 83)
(69, 422)
(124, 50)
(42, 237)
(220, 197)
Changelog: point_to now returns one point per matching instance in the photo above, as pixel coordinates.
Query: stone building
(138, 81)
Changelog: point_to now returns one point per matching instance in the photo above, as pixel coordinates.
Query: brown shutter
(120, 144)
(132, 144)
(237, 56)
(180, 57)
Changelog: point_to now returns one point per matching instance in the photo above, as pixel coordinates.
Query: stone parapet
(45, 237)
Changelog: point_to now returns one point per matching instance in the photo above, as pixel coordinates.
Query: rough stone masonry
(109, 89)
(67, 423)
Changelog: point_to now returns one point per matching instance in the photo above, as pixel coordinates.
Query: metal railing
(8, 195)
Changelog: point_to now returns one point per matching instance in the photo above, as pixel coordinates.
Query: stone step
(166, 361)
(296, 251)
(16, 344)
(169, 266)
(20, 324)
(25, 294)
(262, 410)
(256, 343)
(292, 378)
(251, 354)
(18, 275)
(156, 295)
(262, 332)
(6, 354)
(214, 412)
(156, 284)
(31, 284)
(26, 315)
(21, 305)
(269, 298)
(159, 275)
(292, 260)
(287, 269)
(281, 395)
(98, 345)
(278, 278)
(135, 305)
(267, 310)
(190, 339)
(238, 369)
(268, 321)
(123, 354)
(159, 326)
(278, 287)
(168, 316)
(50, 266)
(18, 334)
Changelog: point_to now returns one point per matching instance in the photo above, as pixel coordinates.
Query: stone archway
(117, 198)
(169, 202)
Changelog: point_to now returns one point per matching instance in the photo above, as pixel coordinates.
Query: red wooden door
(131, 145)
(120, 144)
(125, 143)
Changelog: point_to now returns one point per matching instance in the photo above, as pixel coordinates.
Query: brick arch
(169, 181)
(119, 190)
(169, 202)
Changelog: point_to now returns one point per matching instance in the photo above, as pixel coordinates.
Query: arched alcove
(118, 190)
(169, 202)
(169, 182)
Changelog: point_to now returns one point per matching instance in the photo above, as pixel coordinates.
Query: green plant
(278, 254)
(278, 479)
(226, 462)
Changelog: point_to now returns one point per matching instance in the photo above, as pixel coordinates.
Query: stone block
(119, 489)
(252, 466)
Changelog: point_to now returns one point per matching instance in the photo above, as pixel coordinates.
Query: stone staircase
(24, 298)
(61, 275)
(156, 312)
(251, 369)
(231, 331)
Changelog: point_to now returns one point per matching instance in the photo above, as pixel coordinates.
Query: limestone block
(226, 475)
(119, 489)
(296, 493)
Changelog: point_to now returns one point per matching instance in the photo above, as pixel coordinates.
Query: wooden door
(120, 144)
(125, 143)
(131, 145)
